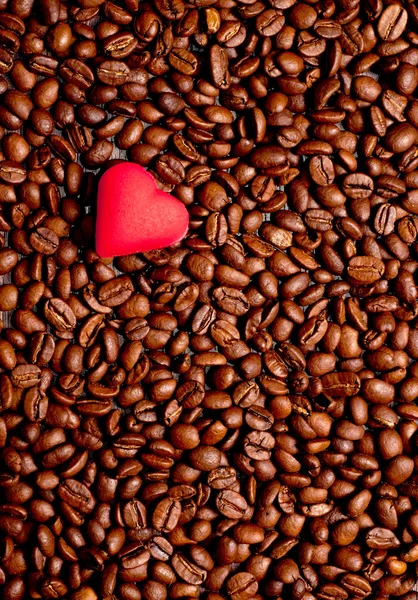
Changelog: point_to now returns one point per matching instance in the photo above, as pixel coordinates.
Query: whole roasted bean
(205, 458)
(166, 515)
(242, 586)
(8, 297)
(77, 495)
(231, 504)
(25, 376)
(183, 61)
(400, 137)
(187, 570)
(36, 405)
(8, 260)
(59, 314)
(44, 240)
(392, 22)
(364, 269)
(231, 300)
(12, 173)
(116, 291)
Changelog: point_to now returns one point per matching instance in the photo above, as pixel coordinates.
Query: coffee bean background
(235, 417)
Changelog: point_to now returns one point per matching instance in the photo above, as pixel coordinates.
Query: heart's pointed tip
(112, 248)
(102, 250)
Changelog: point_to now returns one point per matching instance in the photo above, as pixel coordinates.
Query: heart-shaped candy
(133, 215)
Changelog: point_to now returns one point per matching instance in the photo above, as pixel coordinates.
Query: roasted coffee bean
(187, 570)
(12, 173)
(231, 504)
(25, 376)
(183, 61)
(321, 169)
(241, 586)
(365, 269)
(44, 240)
(116, 291)
(392, 22)
(219, 67)
(166, 515)
(77, 73)
(77, 495)
(60, 315)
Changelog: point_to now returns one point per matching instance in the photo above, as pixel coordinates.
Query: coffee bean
(242, 586)
(362, 269)
(187, 570)
(340, 384)
(219, 67)
(231, 300)
(321, 169)
(392, 22)
(352, 41)
(115, 292)
(76, 495)
(25, 376)
(12, 172)
(170, 169)
(44, 240)
(231, 504)
(357, 185)
(385, 219)
(166, 515)
(36, 405)
(400, 137)
(224, 333)
(353, 583)
(183, 61)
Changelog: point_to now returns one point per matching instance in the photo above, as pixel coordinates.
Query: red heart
(133, 215)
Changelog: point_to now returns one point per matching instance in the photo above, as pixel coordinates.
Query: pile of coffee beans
(235, 417)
